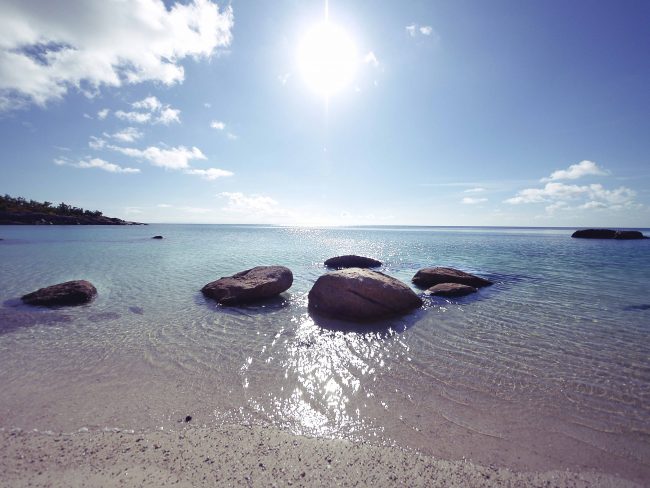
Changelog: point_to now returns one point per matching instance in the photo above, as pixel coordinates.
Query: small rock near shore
(361, 294)
(250, 285)
(352, 261)
(450, 290)
(69, 293)
(428, 277)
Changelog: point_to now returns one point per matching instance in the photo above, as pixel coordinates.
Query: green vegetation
(21, 205)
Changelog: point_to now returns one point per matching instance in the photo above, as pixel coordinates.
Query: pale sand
(244, 456)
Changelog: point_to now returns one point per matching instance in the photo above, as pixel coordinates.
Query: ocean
(549, 368)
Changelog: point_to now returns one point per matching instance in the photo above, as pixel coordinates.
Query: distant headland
(19, 211)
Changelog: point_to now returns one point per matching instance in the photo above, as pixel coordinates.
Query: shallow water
(547, 369)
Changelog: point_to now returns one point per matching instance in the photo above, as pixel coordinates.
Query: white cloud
(172, 158)
(102, 114)
(217, 124)
(575, 171)
(220, 126)
(561, 194)
(168, 115)
(210, 173)
(150, 109)
(96, 163)
(241, 203)
(473, 201)
(551, 191)
(150, 104)
(129, 134)
(207, 105)
(415, 30)
(371, 59)
(138, 117)
(478, 189)
(593, 204)
(93, 43)
(96, 143)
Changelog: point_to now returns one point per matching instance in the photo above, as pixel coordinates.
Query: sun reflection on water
(323, 382)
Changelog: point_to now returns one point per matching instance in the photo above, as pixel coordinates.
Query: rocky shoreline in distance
(39, 218)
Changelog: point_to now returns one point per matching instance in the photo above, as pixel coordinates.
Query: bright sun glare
(327, 58)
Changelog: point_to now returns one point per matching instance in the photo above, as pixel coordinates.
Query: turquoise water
(547, 369)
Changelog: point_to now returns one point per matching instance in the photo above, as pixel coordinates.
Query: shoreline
(237, 455)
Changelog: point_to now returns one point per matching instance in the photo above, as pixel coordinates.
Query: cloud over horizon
(560, 195)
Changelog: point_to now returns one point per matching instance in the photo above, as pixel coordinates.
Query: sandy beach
(245, 456)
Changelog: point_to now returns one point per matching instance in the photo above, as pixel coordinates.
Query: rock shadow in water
(103, 316)
(136, 310)
(383, 327)
(267, 305)
(12, 319)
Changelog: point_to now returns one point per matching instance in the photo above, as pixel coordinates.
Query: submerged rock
(157, 237)
(428, 277)
(357, 293)
(451, 290)
(68, 293)
(352, 261)
(250, 285)
(608, 234)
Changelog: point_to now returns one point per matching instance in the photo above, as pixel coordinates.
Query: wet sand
(245, 456)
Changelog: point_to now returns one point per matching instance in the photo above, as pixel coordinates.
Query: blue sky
(456, 113)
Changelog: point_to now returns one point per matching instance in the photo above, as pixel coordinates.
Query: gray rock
(450, 290)
(68, 293)
(250, 285)
(352, 261)
(428, 277)
(157, 237)
(361, 294)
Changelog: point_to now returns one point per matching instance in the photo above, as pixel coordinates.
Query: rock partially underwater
(361, 294)
(428, 277)
(251, 285)
(450, 290)
(69, 293)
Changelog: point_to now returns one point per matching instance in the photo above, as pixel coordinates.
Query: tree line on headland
(20, 211)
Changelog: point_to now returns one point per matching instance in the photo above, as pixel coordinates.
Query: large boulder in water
(608, 234)
(428, 277)
(352, 261)
(250, 285)
(68, 293)
(361, 294)
(450, 290)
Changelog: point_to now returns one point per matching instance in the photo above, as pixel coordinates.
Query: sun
(327, 58)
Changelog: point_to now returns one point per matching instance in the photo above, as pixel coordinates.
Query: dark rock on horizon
(427, 277)
(157, 237)
(608, 234)
(69, 293)
(250, 285)
(451, 290)
(361, 294)
(352, 261)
